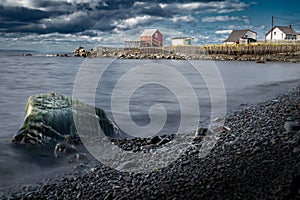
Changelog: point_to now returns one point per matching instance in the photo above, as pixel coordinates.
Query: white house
(182, 41)
(298, 37)
(241, 37)
(281, 33)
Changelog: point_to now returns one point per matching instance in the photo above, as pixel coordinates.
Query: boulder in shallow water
(49, 119)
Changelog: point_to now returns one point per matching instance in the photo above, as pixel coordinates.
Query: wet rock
(220, 129)
(202, 132)
(79, 157)
(148, 147)
(296, 150)
(82, 52)
(121, 55)
(27, 54)
(81, 166)
(261, 61)
(64, 55)
(62, 149)
(49, 118)
(154, 140)
(126, 165)
(52, 197)
(164, 141)
(292, 124)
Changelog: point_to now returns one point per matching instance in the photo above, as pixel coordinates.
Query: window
(274, 32)
(290, 37)
(156, 35)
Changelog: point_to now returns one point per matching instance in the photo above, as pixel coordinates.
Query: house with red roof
(151, 38)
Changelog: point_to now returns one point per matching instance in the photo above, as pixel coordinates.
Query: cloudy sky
(61, 25)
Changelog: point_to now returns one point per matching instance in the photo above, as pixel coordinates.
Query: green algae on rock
(52, 117)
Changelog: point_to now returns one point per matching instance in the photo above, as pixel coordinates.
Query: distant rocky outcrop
(81, 52)
(26, 54)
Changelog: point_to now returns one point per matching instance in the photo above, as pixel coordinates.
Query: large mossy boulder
(49, 118)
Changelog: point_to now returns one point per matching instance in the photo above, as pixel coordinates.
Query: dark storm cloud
(21, 14)
(78, 16)
(53, 5)
(155, 10)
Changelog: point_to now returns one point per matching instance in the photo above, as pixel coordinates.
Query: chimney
(290, 26)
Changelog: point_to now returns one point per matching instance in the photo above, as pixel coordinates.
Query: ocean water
(132, 92)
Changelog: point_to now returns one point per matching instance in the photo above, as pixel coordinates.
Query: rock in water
(49, 118)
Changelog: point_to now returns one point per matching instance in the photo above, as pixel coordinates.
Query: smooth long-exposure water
(20, 77)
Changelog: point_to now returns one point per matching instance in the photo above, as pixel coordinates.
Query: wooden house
(151, 38)
(241, 37)
(279, 33)
(182, 41)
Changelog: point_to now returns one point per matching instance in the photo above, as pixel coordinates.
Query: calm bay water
(20, 77)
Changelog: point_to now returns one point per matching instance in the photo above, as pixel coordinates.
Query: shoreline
(260, 53)
(280, 57)
(288, 57)
(256, 159)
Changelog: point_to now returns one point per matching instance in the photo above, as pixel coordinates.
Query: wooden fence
(252, 49)
(188, 50)
(295, 42)
(223, 49)
(101, 50)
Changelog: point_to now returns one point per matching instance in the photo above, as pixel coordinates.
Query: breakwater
(258, 52)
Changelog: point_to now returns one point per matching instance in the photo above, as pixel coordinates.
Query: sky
(62, 25)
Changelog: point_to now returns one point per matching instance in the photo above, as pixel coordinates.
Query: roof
(286, 29)
(149, 32)
(235, 35)
(174, 38)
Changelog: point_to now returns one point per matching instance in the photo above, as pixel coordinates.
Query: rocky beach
(280, 57)
(257, 158)
(261, 53)
(121, 53)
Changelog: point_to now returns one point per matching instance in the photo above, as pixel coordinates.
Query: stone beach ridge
(260, 54)
(256, 159)
(276, 57)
